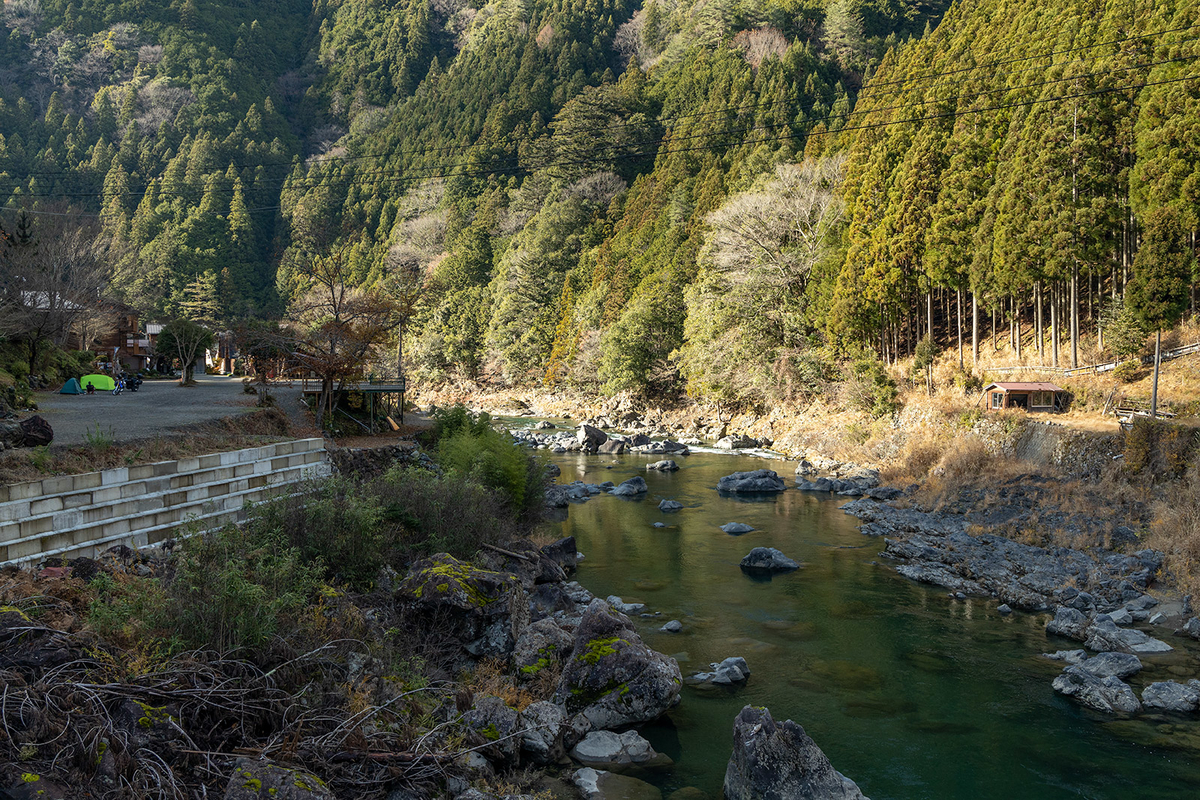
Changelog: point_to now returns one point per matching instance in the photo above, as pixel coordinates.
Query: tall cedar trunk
(958, 298)
(1074, 314)
(929, 314)
(974, 330)
(399, 369)
(1017, 326)
(1157, 362)
(1054, 324)
(1041, 333)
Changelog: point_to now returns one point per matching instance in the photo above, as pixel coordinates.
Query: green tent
(71, 387)
(103, 383)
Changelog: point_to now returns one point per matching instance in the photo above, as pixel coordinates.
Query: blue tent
(71, 387)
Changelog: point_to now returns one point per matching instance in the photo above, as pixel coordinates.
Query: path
(158, 407)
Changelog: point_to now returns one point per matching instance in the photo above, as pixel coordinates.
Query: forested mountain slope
(616, 195)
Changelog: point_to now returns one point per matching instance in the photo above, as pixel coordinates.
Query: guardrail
(83, 515)
(1091, 369)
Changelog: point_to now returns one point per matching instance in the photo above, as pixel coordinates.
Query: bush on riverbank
(468, 445)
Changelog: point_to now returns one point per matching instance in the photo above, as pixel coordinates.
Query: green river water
(910, 693)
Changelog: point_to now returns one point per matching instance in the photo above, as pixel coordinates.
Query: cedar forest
(724, 197)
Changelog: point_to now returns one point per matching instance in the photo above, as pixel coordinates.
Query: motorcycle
(118, 386)
(134, 383)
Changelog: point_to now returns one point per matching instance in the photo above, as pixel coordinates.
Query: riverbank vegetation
(151, 673)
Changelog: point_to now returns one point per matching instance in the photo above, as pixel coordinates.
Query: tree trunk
(1157, 362)
(1053, 326)
(399, 368)
(1017, 326)
(958, 298)
(1074, 314)
(929, 314)
(974, 330)
(1041, 331)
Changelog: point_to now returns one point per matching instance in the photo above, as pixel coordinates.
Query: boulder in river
(767, 560)
(666, 465)
(736, 528)
(779, 761)
(1172, 696)
(759, 481)
(1104, 635)
(736, 443)
(1109, 695)
(612, 678)
(1119, 665)
(670, 505)
(1069, 656)
(617, 752)
(631, 488)
(1069, 622)
(729, 672)
(588, 435)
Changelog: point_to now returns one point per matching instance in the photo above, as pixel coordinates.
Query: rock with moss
(532, 568)
(485, 610)
(779, 761)
(259, 779)
(543, 645)
(544, 725)
(612, 678)
(495, 729)
(145, 726)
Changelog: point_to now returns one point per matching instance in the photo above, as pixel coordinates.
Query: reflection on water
(911, 694)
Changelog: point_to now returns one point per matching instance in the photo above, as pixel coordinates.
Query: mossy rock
(262, 780)
(443, 580)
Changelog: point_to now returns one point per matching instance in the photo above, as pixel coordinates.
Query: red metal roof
(1025, 387)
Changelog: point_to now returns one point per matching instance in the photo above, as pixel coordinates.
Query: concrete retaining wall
(83, 515)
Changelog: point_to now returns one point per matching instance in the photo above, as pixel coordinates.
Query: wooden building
(1031, 396)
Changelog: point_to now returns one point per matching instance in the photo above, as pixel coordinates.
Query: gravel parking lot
(158, 407)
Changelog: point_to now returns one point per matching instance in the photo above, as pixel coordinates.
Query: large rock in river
(779, 761)
(611, 677)
(1109, 694)
(631, 488)
(759, 481)
(588, 435)
(486, 610)
(1104, 635)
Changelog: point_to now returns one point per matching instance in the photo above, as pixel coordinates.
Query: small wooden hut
(1031, 396)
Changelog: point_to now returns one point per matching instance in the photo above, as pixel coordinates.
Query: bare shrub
(759, 44)
(150, 54)
(545, 36)
(629, 41)
(598, 188)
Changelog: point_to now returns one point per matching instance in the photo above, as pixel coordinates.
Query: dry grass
(492, 678)
(230, 433)
(1175, 530)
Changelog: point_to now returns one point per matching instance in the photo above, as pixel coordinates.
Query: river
(910, 693)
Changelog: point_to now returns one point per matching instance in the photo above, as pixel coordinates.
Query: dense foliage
(724, 196)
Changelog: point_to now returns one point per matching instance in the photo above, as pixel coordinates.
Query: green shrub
(1128, 371)
(469, 446)
(237, 588)
(333, 521)
(869, 387)
(128, 608)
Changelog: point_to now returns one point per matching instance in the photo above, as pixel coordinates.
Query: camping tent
(71, 387)
(102, 383)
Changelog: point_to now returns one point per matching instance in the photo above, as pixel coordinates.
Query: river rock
(612, 678)
(632, 487)
(729, 672)
(1171, 696)
(544, 425)
(773, 761)
(601, 785)
(542, 644)
(563, 552)
(623, 607)
(736, 528)
(1069, 656)
(767, 559)
(759, 481)
(497, 727)
(1103, 635)
(613, 447)
(485, 610)
(1103, 694)
(670, 505)
(666, 465)
(1121, 616)
(674, 626)
(1119, 665)
(617, 752)
(1069, 622)
(258, 779)
(588, 435)
(736, 443)
(542, 723)
(1192, 627)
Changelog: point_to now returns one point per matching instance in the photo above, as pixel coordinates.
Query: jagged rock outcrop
(779, 761)
(1110, 695)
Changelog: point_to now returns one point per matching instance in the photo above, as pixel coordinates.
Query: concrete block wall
(84, 515)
